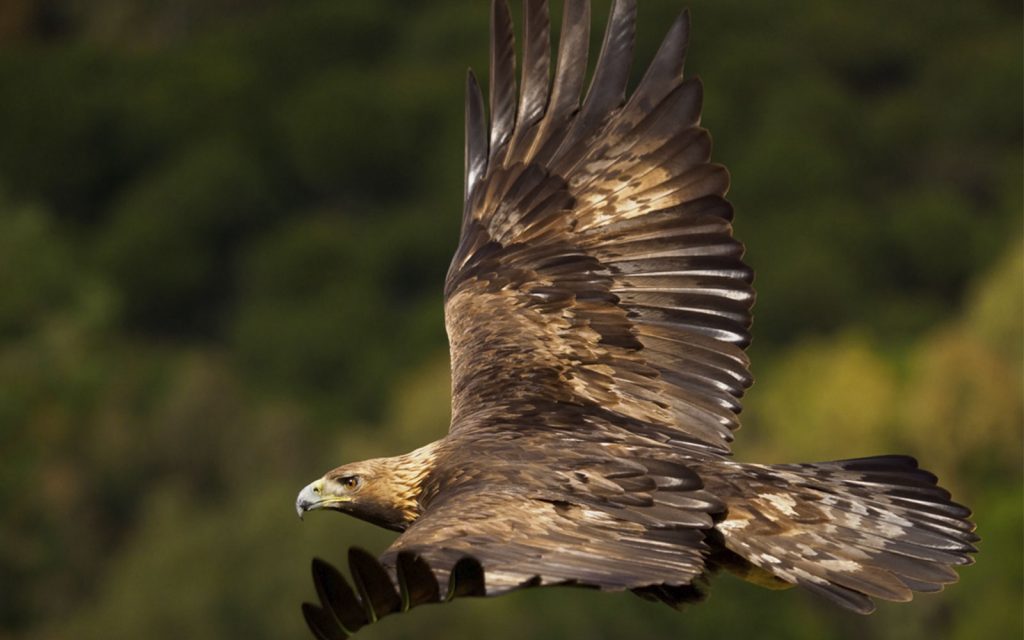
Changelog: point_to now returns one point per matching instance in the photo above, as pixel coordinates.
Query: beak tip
(307, 500)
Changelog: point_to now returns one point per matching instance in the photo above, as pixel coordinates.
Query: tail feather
(849, 530)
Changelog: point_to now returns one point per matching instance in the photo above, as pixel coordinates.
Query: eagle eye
(349, 482)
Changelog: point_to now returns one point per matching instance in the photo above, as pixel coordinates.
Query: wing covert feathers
(613, 523)
(596, 266)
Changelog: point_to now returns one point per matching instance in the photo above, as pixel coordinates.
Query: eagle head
(382, 491)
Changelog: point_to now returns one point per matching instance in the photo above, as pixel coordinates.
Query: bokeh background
(224, 226)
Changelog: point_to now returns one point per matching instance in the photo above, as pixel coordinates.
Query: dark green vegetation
(223, 233)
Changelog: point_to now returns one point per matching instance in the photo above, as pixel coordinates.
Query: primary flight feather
(597, 310)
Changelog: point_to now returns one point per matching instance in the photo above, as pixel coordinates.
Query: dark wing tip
(373, 583)
(322, 623)
(611, 74)
(502, 82)
(476, 134)
(337, 597)
(665, 71)
(417, 582)
(535, 83)
(343, 610)
(682, 23)
(467, 579)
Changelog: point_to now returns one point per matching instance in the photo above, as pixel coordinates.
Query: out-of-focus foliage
(224, 226)
(958, 379)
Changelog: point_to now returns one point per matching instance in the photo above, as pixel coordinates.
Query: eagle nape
(598, 309)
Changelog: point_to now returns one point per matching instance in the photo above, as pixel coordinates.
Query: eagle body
(597, 310)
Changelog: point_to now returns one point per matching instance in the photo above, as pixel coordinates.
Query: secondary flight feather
(597, 310)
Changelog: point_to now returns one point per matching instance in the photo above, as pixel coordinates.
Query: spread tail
(849, 530)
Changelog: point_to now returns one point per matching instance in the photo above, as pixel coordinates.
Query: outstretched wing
(596, 265)
(522, 541)
(612, 524)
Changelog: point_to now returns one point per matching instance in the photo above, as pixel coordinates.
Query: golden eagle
(597, 310)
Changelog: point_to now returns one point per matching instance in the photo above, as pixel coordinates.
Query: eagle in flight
(597, 309)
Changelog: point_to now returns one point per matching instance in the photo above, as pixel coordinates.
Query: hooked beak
(308, 498)
(312, 498)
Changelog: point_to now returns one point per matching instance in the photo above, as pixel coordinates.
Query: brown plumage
(597, 309)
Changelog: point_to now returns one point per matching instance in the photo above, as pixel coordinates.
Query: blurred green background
(224, 226)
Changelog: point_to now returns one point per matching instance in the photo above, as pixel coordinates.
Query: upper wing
(596, 265)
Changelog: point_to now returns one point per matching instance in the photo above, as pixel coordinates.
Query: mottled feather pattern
(849, 530)
(519, 538)
(623, 199)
